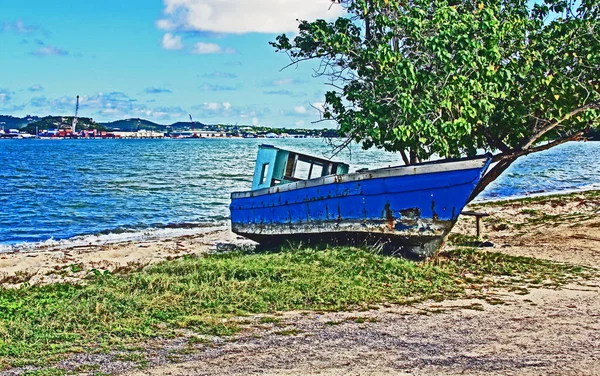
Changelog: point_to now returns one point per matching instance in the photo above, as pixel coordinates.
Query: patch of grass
(269, 320)
(362, 320)
(186, 351)
(195, 340)
(174, 358)
(474, 307)
(76, 268)
(549, 219)
(533, 212)
(462, 239)
(20, 276)
(40, 324)
(288, 332)
(332, 323)
(87, 367)
(131, 357)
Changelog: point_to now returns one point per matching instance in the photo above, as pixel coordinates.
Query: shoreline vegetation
(189, 302)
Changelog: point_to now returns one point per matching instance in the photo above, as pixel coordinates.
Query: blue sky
(158, 60)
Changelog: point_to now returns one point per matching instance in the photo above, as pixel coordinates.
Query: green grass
(463, 240)
(269, 320)
(205, 295)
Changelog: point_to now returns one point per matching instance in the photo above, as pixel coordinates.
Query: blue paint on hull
(410, 209)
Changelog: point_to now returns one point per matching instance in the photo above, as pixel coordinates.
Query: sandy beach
(546, 331)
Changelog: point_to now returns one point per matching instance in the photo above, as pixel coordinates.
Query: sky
(159, 60)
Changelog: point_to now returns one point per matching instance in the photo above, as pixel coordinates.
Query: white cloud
(206, 48)
(319, 106)
(19, 27)
(172, 42)
(234, 16)
(50, 51)
(213, 87)
(285, 81)
(4, 96)
(300, 109)
(254, 121)
(213, 106)
(202, 48)
(165, 25)
(36, 87)
(300, 123)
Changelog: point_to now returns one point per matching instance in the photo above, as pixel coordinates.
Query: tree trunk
(413, 157)
(491, 175)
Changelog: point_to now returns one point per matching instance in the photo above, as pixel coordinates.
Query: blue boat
(408, 209)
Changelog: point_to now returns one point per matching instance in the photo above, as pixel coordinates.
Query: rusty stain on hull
(389, 216)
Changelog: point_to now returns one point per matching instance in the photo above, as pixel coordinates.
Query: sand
(74, 264)
(543, 332)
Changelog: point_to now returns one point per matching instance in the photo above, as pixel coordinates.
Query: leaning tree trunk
(491, 175)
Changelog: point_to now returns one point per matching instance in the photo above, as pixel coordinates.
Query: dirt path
(545, 332)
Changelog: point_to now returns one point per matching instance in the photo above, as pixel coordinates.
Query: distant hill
(188, 125)
(60, 122)
(11, 122)
(132, 125)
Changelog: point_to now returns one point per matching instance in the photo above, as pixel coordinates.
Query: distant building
(211, 134)
(142, 133)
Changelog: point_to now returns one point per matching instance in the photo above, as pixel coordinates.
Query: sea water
(74, 192)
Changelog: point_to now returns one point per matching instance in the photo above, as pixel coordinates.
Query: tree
(451, 77)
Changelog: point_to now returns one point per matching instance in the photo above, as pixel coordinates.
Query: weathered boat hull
(410, 209)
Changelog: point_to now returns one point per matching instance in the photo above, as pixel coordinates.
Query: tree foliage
(449, 77)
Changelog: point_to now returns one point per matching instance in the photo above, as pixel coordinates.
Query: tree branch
(520, 153)
(404, 157)
(495, 142)
(554, 124)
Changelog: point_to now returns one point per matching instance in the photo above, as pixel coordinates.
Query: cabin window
(308, 170)
(302, 170)
(317, 170)
(264, 173)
